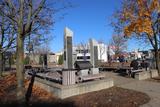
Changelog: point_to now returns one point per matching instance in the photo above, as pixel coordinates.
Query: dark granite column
(68, 64)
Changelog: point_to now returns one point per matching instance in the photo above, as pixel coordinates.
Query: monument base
(62, 91)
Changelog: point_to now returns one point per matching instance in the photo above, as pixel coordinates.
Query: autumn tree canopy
(140, 18)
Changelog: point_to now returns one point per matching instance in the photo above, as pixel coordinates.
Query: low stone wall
(63, 91)
(154, 73)
(146, 74)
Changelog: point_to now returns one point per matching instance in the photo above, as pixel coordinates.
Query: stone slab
(83, 72)
(146, 74)
(94, 70)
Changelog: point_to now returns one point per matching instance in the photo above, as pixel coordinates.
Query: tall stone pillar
(95, 56)
(68, 34)
(68, 74)
(93, 52)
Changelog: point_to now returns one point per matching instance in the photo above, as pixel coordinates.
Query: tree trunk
(10, 63)
(157, 61)
(1, 64)
(20, 70)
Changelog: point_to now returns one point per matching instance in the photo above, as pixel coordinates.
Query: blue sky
(89, 19)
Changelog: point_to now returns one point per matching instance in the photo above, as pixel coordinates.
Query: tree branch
(29, 22)
(36, 12)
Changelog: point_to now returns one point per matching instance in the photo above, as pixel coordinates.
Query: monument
(68, 34)
(93, 52)
(68, 74)
(68, 81)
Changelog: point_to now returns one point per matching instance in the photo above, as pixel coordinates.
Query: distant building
(136, 54)
(51, 57)
(35, 57)
(82, 52)
(57, 55)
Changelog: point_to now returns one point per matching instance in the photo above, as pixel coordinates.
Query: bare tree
(7, 40)
(42, 51)
(102, 48)
(27, 17)
(84, 49)
(119, 43)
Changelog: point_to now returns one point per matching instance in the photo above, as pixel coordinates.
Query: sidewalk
(150, 88)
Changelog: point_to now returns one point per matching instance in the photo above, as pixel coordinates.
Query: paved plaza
(148, 87)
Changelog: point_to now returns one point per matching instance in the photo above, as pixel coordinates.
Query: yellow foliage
(139, 26)
(141, 22)
(154, 5)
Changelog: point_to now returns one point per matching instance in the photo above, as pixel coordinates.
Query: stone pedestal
(94, 71)
(83, 72)
(64, 91)
(146, 74)
(68, 77)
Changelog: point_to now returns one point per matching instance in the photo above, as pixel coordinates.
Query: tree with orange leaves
(140, 18)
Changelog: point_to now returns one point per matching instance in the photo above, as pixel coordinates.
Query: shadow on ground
(122, 73)
(41, 104)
